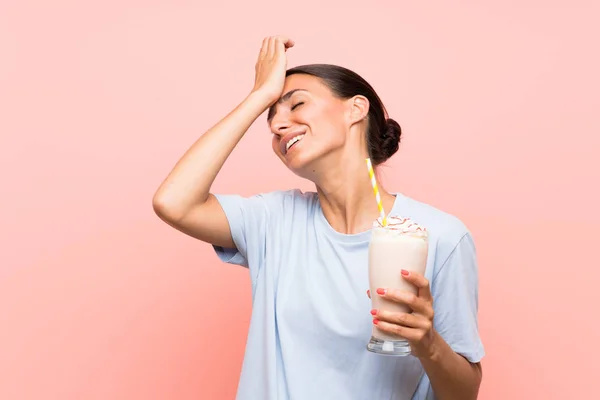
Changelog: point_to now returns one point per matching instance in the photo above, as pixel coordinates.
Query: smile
(293, 141)
(290, 140)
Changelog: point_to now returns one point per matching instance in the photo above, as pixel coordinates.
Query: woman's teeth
(291, 142)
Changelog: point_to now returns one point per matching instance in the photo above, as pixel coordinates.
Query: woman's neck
(347, 198)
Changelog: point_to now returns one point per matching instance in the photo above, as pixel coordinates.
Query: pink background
(101, 300)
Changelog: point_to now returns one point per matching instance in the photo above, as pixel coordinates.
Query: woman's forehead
(299, 83)
(303, 82)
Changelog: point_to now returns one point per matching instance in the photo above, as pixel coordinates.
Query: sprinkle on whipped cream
(402, 225)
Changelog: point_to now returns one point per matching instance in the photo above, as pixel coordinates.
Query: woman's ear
(359, 108)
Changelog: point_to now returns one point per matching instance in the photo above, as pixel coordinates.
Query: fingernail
(375, 321)
(374, 312)
(381, 291)
(405, 272)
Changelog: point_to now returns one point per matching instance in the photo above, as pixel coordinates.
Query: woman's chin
(296, 163)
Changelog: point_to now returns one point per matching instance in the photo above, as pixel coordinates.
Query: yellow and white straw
(376, 190)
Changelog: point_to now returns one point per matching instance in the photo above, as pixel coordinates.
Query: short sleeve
(455, 300)
(248, 221)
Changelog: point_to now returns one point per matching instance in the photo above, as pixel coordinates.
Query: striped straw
(376, 190)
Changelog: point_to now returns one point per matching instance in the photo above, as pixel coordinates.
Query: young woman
(307, 252)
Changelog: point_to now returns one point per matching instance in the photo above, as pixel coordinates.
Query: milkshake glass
(401, 244)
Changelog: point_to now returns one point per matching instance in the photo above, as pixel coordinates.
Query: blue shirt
(311, 317)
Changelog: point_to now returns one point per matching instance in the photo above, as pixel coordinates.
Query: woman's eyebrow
(283, 98)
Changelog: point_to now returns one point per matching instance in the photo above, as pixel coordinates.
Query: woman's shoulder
(288, 195)
(288, 199)
(443, 224)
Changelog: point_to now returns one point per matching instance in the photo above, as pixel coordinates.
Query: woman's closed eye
(296, 105)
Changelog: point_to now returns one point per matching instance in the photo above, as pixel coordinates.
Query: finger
(280, 47)
(264, 48)
(287, 42)
(404, 319)
(416, 303)
(271, 47)
(410, 334)
(419, 281)
(369, 293)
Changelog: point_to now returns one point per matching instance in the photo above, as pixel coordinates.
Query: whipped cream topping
(402, 225)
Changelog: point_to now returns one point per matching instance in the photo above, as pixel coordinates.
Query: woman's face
(307, 123)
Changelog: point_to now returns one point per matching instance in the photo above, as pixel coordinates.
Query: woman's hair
(383, 135)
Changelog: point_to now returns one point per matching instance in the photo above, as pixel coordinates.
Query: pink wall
(101, 300)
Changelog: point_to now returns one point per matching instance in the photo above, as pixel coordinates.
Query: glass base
(389, 347)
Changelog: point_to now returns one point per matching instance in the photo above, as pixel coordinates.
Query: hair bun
(391, 138)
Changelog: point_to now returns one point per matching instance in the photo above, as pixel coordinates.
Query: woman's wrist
(435, 350)
(261, 100)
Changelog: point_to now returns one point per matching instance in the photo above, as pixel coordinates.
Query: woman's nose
(280, 128)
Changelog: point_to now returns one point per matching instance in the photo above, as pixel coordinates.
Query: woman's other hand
(271, 67)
